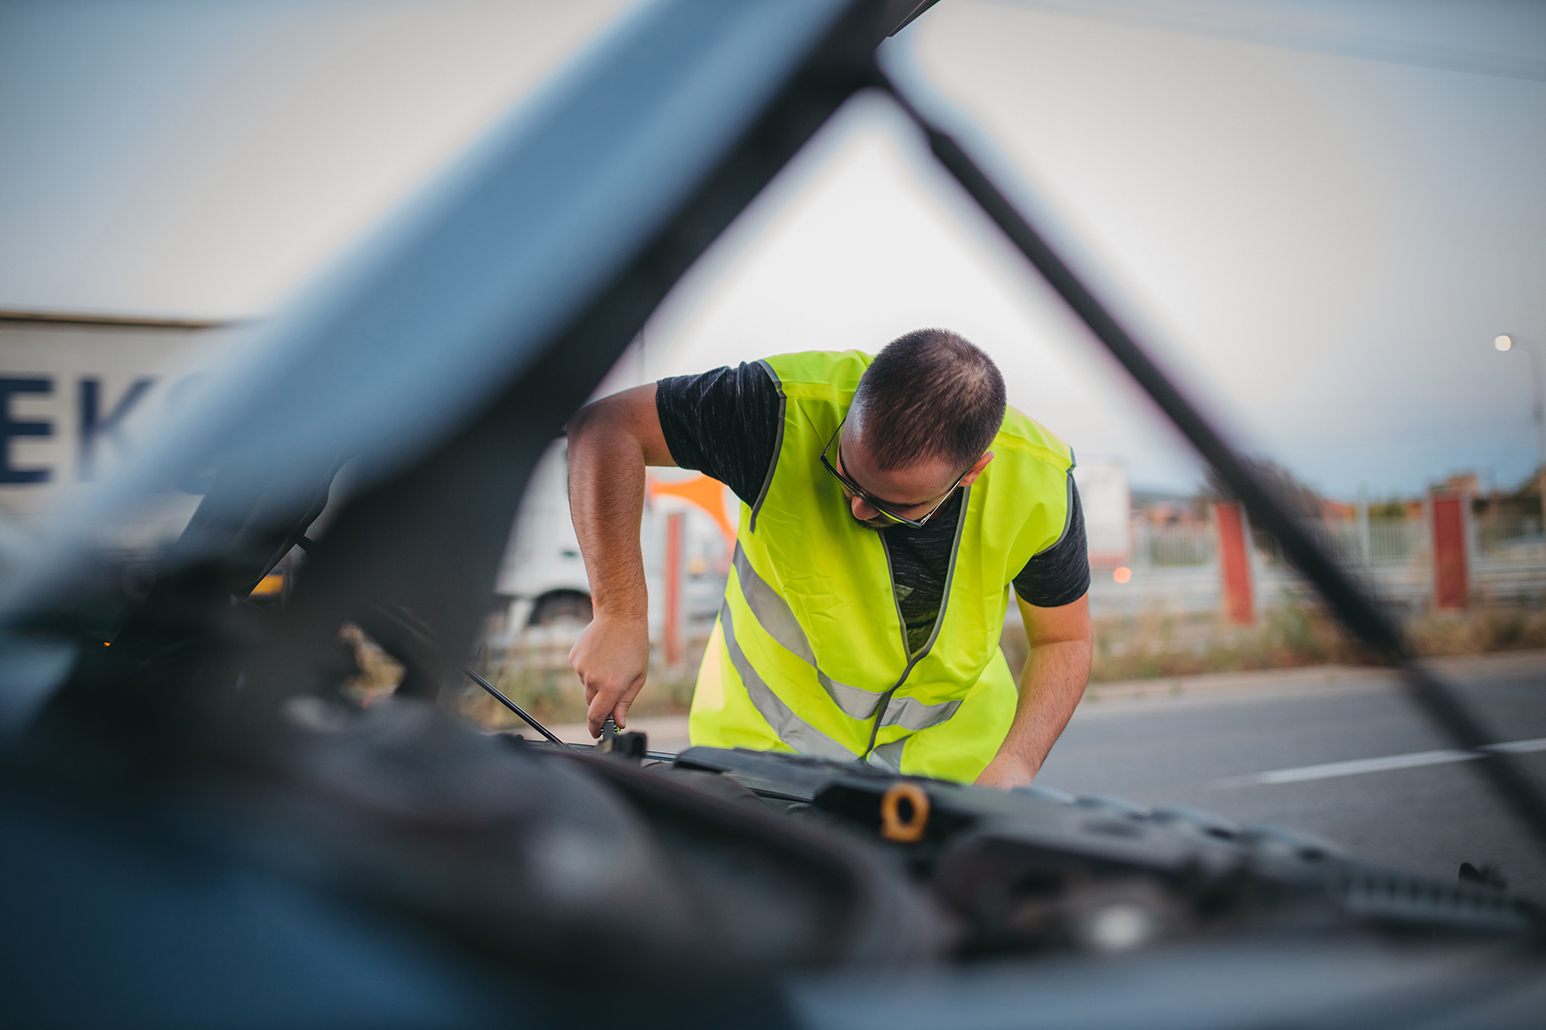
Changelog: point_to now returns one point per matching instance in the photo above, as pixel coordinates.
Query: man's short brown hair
(929, 394)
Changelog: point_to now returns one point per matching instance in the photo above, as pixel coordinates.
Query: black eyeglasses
(880, 506)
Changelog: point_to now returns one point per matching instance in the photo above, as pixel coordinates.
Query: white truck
(74, 388)
(542, 580)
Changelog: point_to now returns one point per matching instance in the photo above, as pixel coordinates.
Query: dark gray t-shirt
(725, 423)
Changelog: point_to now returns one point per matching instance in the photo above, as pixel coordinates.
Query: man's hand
(612, 658)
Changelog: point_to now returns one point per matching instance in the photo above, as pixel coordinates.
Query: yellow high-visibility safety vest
(809, 653)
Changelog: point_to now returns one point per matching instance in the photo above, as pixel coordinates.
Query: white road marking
(1370, 765)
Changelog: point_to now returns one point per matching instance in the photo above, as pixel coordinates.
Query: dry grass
(1154, 645)
(379, 673)
(1290, 635)
(553, 694)
(1478, 631)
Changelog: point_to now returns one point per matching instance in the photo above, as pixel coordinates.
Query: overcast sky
(1328, 209)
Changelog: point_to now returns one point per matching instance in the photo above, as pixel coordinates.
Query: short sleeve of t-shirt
(1061, 574)
(723, 423)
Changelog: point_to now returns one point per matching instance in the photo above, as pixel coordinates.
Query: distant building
(1107, 504)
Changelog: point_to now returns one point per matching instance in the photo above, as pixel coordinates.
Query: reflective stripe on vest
(791, 729)
(811, 625)
(775, 617)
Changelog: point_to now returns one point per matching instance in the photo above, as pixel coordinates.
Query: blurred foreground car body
(197, 828)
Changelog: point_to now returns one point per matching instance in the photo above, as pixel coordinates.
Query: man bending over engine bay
(888, 506)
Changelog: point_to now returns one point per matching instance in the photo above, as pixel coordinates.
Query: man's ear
(976, 470)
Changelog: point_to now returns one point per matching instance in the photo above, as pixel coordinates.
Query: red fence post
(673, 573)
(1451, 573)
(1234, 563)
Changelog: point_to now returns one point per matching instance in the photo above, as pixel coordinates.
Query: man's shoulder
(1024, 436)
(817, 373)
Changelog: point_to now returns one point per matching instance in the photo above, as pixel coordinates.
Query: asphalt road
(1205, 748)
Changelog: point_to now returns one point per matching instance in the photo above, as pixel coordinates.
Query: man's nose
(863, 510)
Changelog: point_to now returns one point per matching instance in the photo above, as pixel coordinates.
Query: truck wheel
(568, 607)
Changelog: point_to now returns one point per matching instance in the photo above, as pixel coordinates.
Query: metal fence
(1509, 535)
(1176, 567)
(1355, 542)
(1177, 546)
(1395, 539)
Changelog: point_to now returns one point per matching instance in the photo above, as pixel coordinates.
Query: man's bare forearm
(1062, 641)
(606, 501)
(610, 442)
(1050, 688)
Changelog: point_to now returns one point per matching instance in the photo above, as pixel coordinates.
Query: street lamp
(1506, 343)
